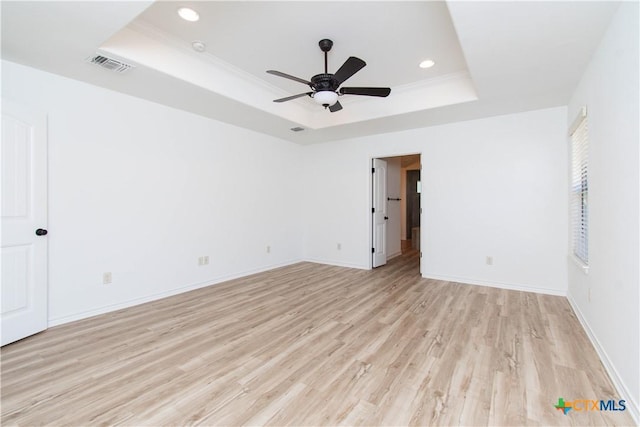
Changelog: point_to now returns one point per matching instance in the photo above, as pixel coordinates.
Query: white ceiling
(255, 37)
(491, 57)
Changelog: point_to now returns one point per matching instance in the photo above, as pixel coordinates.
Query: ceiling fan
(324, 87)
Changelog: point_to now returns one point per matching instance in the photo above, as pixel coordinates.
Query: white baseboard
(336, 263)
(510, 286)
(394, 255)
(618, 383)
(153, 297)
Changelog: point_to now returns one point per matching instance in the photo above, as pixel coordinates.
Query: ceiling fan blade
(367, 91)
(288, 76)
(335, 107)
(349, 68)
(289, 98)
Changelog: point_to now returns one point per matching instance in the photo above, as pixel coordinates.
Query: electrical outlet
(268, 249)
(489, 260)
(339, 246)
(106, 278)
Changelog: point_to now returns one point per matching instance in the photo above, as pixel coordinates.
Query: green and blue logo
(562, 406)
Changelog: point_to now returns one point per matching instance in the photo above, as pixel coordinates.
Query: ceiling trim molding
(165, 38)
(146, 45)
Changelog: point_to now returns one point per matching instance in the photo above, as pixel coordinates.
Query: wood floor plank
(311, 345)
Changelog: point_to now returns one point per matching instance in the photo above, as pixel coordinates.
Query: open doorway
(396, 210)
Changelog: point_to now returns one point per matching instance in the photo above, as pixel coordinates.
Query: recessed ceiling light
(188, 14)
(198, 46)
(427, 63)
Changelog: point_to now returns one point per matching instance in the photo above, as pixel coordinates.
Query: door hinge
(373, 250)
(420, 254)
(373, 170)
(373, 210)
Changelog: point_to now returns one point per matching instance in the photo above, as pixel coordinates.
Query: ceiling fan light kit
(325, 97)
(325, 87)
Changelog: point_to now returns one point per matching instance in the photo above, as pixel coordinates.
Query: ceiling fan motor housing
(321, 82)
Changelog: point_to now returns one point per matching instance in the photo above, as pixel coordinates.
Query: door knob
(41, 232)
(386, 217)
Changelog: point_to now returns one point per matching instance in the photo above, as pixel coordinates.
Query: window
(580, 187)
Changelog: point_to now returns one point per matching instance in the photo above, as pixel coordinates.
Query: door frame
(370, 200)
(379, 217)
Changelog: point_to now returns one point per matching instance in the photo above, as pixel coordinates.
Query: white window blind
(580, 187)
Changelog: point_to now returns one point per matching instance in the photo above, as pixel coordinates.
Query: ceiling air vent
(297, 129)
(109, 63)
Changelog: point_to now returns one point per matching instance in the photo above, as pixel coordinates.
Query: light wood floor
(314, 345)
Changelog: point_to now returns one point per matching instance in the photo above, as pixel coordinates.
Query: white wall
(393, 207)
(495, 186)
(142, 190)
(609, 88)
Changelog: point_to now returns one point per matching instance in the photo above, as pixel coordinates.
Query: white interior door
(380, 215)
(24, 212)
